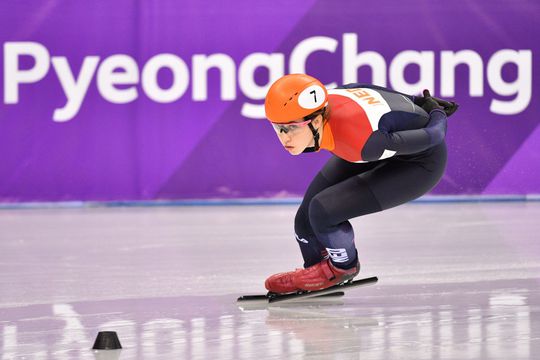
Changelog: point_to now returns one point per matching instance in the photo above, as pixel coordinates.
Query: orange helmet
(294, 96)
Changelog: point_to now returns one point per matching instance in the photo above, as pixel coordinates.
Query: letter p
(13, 76)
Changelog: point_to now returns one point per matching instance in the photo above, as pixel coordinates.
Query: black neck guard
(315, 137)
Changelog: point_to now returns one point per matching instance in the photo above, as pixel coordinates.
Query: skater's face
(297, 136)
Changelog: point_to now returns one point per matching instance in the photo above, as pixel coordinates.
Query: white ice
(456, 281)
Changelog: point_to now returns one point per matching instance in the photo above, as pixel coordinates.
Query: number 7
(314, 95)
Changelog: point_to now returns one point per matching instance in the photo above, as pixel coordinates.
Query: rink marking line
(250, 201)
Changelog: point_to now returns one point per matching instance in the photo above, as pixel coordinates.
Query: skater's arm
(406, 142)
(449, 107)
(371, 86)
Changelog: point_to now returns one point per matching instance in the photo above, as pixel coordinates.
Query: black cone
(107, 340)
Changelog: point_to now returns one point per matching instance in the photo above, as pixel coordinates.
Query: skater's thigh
(333, 172)
(386, 185)
(337, 170)
(340, 202)
(399, 181)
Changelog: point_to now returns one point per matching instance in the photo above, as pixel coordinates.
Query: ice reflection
(163, 335)
(198, 338)
(487, 325)
(502, 330)
(508, 328)
(107, 354)
(74, 336)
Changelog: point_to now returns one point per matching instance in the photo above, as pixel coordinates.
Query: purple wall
(92, 109)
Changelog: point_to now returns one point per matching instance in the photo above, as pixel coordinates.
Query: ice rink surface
(456, 281)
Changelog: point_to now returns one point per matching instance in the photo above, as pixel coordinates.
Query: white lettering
(107, 78)
(274, 63)
(449, 61)
(300, 53)
(13, 76)
(425, 61)
(227, 68)
(180, 74)
(352, 61)
(74, 89)
(119, 78)
(521, 86)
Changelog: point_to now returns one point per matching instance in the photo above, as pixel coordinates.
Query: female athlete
(388, 148)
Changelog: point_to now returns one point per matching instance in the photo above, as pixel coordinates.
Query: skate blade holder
(331, 292)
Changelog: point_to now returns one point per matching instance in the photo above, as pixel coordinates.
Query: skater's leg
(312, 250)
(329, 213)
(393, 183)
(335, 171)
(402, 181)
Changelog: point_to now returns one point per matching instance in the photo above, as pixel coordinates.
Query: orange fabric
(347, 129)
(327, 142)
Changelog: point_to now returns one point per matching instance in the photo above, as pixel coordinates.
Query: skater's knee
(301, 221)
(318, 216)
(301, 216)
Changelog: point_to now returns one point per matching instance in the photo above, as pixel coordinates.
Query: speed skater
(388, 149)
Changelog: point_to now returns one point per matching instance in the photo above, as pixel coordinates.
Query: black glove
(449, 107)
(430, 104)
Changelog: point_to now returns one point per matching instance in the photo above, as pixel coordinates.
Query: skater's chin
(293, 150)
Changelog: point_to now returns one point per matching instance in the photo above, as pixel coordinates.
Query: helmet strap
(315, 138)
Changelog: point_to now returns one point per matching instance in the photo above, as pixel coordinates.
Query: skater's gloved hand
(430, 104)
(449, 107)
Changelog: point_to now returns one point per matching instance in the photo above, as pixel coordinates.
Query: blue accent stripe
(433, 199)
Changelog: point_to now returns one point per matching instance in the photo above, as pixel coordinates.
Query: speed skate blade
(330, 290)
(244, 298)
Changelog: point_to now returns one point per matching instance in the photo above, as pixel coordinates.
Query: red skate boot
(281, 283)
(322, 275)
